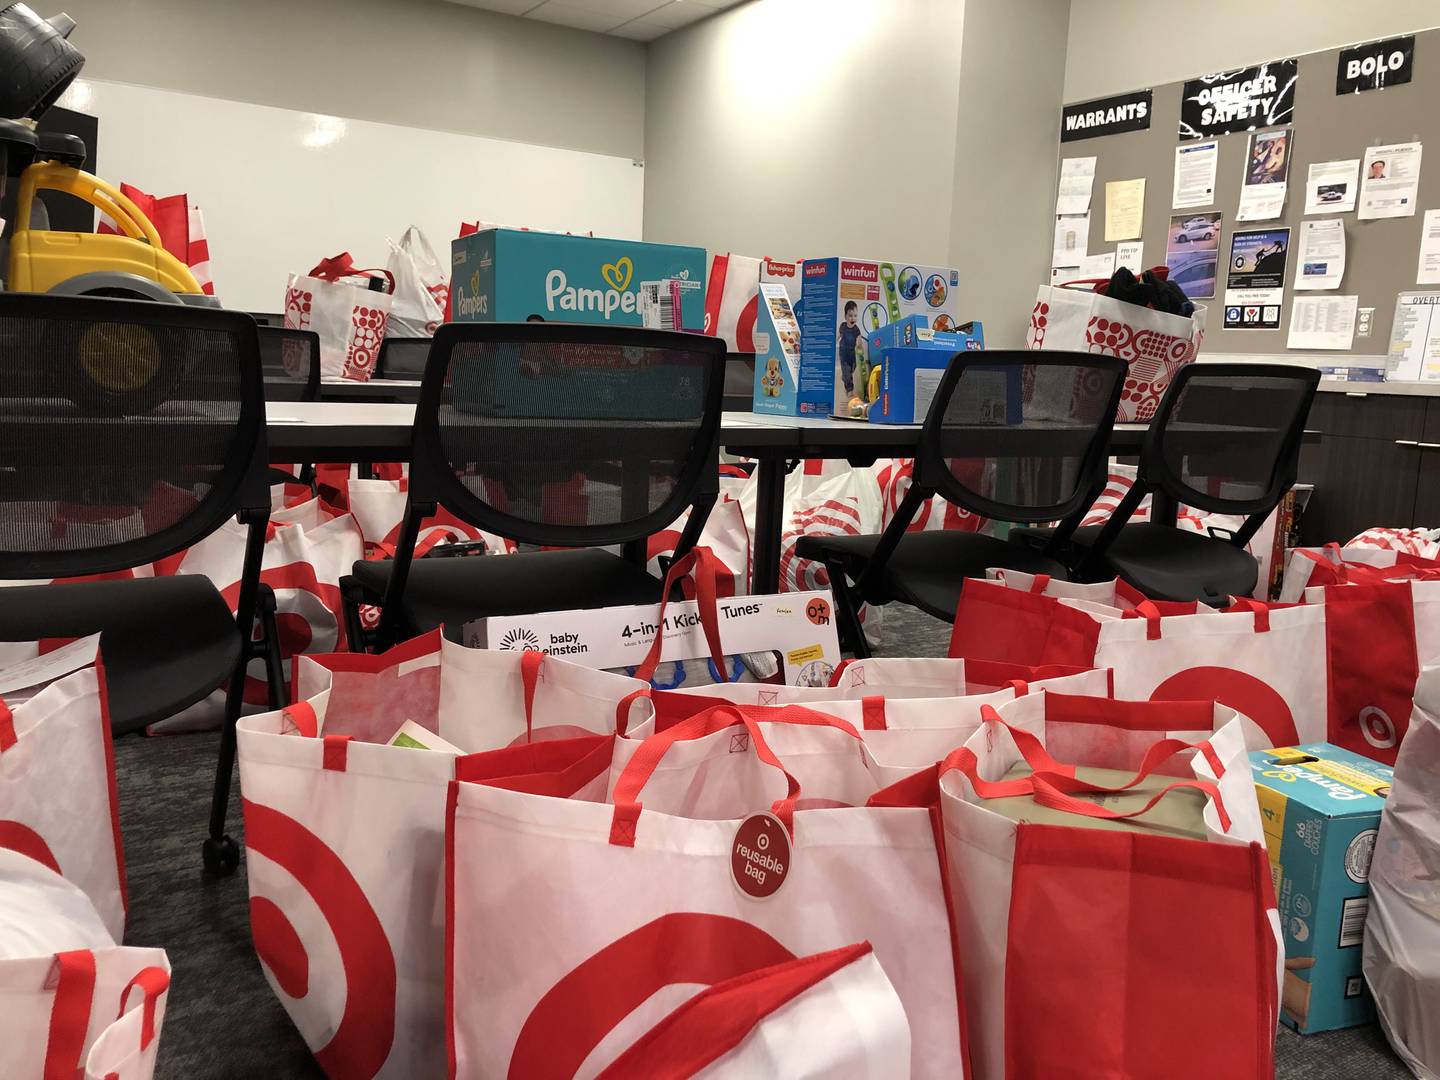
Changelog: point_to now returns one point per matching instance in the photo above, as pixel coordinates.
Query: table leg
(769, 515)
(1164, 510)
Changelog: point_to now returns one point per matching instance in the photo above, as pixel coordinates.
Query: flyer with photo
(1390, 181)
(1267, 172)
(1255, 279)
(1192, 250)
(1331, 187)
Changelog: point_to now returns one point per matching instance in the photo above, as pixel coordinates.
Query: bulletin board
(1381, 255)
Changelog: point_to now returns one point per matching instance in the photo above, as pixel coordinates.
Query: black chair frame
(433, 482)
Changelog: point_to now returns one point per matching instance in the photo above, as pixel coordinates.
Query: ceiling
(639, 20)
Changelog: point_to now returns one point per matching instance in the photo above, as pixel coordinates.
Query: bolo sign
(1375, 66)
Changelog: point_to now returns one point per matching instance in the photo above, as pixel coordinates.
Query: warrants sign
(1375, 65)
(1106, 116)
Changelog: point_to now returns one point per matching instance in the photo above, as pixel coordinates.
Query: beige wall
(1118, 45)
(798, 128)
(1012, 66)
(421, 63)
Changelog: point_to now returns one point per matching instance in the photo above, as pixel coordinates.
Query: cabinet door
(1359, 483)
(1371, 416)
(1427, 493)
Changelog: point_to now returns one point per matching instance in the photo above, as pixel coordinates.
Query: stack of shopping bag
(504, 862)
(75, 1003)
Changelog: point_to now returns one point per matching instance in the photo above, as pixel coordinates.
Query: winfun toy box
(1320, 805)
(510, 275)
(846, 300)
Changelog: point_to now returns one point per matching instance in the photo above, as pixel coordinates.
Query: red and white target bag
(58, 800)
(308, 548)
(1070, 908)
(72, 1003)
(910, 712)
(716, 846)
(732, 295)
(1356, 564)
(828, 1015)
(895, 475)
(344, 833)
(1341, 669)
(335, 300)
(379, 508)
(1154, 343)
(725, 536)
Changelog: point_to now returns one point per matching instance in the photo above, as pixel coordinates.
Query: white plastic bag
(422, 284)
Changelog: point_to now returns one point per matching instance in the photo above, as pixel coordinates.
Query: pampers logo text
(560, 295)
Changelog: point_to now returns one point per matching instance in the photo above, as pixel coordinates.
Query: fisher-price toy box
(846, 300)
(509, 275)
(1320, 806)
(911, 369)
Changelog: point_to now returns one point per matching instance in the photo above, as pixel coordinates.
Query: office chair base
(221, 857)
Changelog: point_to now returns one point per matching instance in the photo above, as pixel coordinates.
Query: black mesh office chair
(1225, 439)
(1015, 436)
(402, 358)
(554, 435)
(128, 432)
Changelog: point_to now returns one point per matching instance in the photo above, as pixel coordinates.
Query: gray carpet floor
(223, 1020)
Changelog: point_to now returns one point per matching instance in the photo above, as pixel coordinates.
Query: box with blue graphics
(1320, 806)
(846, 300)
(511, 275)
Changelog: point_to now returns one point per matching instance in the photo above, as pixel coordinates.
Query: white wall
(1007, 128)
(1118, 45)
(798, 128)
(420, 63)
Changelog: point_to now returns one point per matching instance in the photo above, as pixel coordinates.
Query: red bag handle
(705, 569)
(69, 1013)
(343, 266)
(8, 738)
(1048, 795)
(152, 981)
(649, 754)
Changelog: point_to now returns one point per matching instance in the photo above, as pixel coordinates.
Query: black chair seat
(1170, 564)
(451, 591)
(927, 569)
(166, 642)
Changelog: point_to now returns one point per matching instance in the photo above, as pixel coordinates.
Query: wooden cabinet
(1377, 463)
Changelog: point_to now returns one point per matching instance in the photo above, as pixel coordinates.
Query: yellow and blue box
(511, 275)
(1320, 805)
(912, 357)
(843, 301)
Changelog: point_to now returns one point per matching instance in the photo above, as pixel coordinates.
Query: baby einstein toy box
(1320, 806)
(507, 275)
(846, 300)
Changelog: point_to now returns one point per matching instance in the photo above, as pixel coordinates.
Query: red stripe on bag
(716, 1020)
(152, 981)
(17, 837)
(7, 728)
(873, 710)
(530, 662)
(1370, 690)
(337, 749)
(69, 1013)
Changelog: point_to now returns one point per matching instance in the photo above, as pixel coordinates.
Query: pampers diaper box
(1320, 806)
(510, 275)
(844, 301)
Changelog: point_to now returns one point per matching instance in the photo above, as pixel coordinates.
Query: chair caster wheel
(222, 856)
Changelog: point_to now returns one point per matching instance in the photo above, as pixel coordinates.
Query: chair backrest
(290, 363)
(129, 430)
(567, 434)
(269, 318)
(402, 358)
(1226, 436)
(1021, 436)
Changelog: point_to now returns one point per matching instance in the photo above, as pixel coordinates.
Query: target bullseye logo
(1377, 727)
(583, 1007)
(365, 1030)
(1244, 693)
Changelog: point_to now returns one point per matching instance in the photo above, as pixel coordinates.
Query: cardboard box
(777, 352)
(506, 275)
(909, 357)
(1321, 805)
(845, 300)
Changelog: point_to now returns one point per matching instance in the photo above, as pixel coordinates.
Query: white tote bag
(1103, 920)
(335, 301)
(1402, 927)
(55, 738)
(1154, 343)
(344, 835)
(834, 1014)
(608, 914)
(422, 284)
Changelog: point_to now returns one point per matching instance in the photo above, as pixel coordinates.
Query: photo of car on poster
(1192, 249)
(1255, 279)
